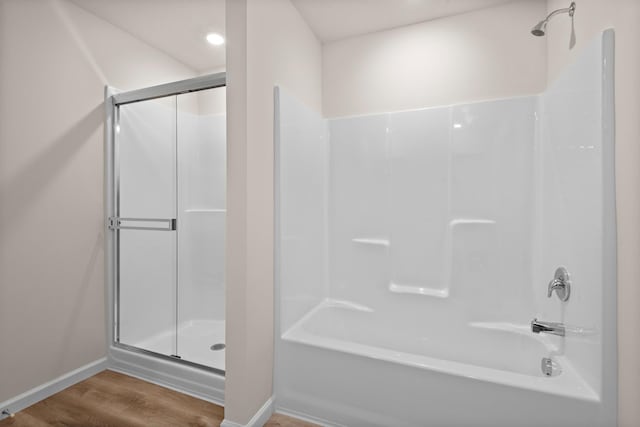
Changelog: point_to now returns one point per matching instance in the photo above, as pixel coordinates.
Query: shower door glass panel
(147, 250)
(201, 215)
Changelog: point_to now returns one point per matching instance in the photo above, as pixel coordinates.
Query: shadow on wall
(20, 191)
(94, 267)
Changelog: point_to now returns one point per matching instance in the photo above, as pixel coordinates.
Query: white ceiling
(176, 27)
(336, 19)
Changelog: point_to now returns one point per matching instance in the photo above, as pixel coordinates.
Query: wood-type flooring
(111, 399)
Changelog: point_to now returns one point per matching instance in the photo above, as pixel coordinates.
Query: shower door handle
(156, 224)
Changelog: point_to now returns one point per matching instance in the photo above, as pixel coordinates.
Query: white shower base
(195, 338)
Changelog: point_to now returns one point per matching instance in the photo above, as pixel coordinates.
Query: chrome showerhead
(541, 27)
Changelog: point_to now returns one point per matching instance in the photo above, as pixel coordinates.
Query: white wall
(593, 16)
(54, 62)
(479, 55)
(268, 44)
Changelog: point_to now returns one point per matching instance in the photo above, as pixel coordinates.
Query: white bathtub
(332, 375)
(502, 353)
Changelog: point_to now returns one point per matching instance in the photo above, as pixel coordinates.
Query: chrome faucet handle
(553, 285)
(560, 284)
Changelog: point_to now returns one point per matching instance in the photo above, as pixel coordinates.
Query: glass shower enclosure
(166, 212)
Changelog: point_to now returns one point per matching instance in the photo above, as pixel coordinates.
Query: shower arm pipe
(570, 10)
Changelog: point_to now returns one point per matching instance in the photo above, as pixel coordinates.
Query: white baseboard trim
(259, 419)
(45, 390)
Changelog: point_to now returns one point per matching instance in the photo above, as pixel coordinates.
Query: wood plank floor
(111, 399)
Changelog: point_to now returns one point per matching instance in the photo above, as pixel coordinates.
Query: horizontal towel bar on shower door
(206, 211)
(158, 224)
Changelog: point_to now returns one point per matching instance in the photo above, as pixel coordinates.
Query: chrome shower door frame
(113, 100)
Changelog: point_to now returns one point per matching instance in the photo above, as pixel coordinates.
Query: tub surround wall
(413, 198)
(302, 163)
(489, 179)
(576, 131)
(592, 17)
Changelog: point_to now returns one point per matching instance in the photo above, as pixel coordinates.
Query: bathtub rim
(573, 386)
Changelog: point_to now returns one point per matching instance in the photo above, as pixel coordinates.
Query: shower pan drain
(219, 346)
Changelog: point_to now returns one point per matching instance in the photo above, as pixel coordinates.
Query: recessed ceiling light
(215, 39)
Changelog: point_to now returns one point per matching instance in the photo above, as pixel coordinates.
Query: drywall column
(268, 44)
(236, 381)
(593, 16)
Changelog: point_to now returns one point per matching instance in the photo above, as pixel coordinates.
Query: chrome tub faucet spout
(554, 328)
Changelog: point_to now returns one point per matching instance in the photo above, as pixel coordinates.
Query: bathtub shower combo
(451, 266)
(166, 180)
